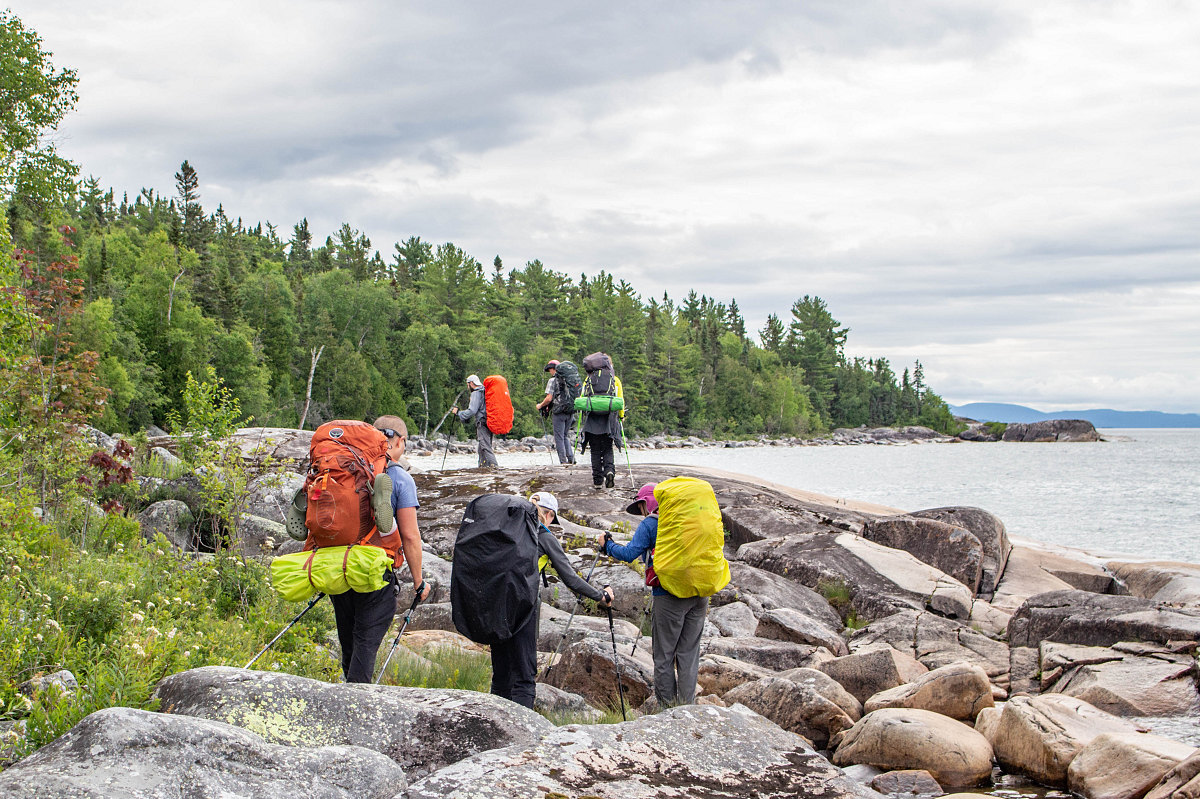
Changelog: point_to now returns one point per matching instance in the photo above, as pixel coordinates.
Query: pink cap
(644, 494)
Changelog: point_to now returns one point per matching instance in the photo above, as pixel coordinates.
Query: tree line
(302, 331)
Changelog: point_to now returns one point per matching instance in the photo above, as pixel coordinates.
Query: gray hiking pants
(564, 439)
(483, 442)
(676, 625)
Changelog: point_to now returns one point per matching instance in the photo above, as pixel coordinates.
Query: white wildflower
(149, 606)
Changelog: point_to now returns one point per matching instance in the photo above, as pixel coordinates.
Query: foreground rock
(121, 753)
(1129, 679)
(795, 706)
(868, 672)
(959, 691)
(1040, 735)
(905, 738)
(587, 668)
(1182, 782)
(687, 751)
(421, 729)
(1124, 765)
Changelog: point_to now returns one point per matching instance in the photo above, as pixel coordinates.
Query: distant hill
(1100, 417)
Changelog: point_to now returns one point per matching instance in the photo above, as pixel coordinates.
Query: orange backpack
(344, 458)
(498, 403)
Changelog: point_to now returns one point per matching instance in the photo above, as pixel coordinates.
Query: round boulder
(907, 738)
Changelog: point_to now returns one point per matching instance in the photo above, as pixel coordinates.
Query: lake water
(1135, 494)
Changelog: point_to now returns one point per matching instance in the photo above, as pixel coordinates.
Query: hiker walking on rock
(676, 622)
(477, 410)
(601, 428)
(363, 618)
(559, 403)
(494, 590)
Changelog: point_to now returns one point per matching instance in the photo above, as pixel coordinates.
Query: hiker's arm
(473, 408)
(642, 540)
(410, 542)
(562, 564)
(546, 400)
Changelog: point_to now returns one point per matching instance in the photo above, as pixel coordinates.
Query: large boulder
(1052, 430)
(991, 534)
(718, 674)
(174, 519)
(687, 751)
(421, 729)
(827, 687)
(952, 549)
(876, 579)
(762, 591)
(588, 668)
(734, 620)
(794, 706)
(1127, 679)
(1159, 581)
(868, 672)
(269, 495)
(754, 523)
(959, 690)
(278, 446)
(552, 701)
(904, 738)
(1080, 617)
(1124, 765)
(785, 624)
(1181, 782)
(765, 652)
(935, 642)
(122, 753)
(1039, 736)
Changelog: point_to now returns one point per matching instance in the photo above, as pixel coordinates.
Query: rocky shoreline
(857, 652)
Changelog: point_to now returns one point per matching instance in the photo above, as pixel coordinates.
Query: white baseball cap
(546, 500)
(474, 379)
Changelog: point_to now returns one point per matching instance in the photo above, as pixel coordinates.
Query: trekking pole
(641, 627)
(625, 441)
(407, 618)
(612, 630)
(567, 629)
(444, 415)
(307, 608)
(447, 452)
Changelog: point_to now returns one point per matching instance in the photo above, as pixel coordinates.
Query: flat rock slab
(422, 729)
(122, 753)
(878, 579)
(765, 652)
(1160, 581)
(765, 591)
(690, 751)
(1080, 617)
(935, 642)
(1125, 680)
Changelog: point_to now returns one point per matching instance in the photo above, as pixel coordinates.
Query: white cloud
(1007, 191)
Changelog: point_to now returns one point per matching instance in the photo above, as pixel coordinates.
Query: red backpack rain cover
(498, 404)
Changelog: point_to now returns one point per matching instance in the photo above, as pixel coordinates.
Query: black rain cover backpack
(493, 582)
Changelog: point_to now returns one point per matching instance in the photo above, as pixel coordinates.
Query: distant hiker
(477, 409)
(357, 514)
(601, 422)
(561, 390)
(685, 547)
(494, 583)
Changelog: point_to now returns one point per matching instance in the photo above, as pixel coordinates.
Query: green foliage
(447, 667)
(996, 428)
(836, 593)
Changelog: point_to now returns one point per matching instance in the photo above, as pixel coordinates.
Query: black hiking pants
(362, 621)
(514, 665)
(601, 447)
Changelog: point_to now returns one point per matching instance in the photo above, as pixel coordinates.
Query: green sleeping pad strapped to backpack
(599, 403)
(330, 570)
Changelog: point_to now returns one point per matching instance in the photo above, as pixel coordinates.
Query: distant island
(1100, 417)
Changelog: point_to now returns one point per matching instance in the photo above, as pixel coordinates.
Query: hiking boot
(609, 480)
(598, 485)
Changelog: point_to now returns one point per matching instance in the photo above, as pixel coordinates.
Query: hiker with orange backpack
(357, 516)
(477, 410)
(682, 528)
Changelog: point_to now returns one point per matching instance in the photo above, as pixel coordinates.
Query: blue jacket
(643, 541)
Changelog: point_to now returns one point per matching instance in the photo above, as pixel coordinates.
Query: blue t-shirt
(404, 490)
(644, 539)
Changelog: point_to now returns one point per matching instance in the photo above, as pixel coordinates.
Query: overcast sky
(1007, 191)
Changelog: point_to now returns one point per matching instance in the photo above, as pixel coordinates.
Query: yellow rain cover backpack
(689, 555)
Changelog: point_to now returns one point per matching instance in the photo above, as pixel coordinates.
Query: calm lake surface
(1136, 494)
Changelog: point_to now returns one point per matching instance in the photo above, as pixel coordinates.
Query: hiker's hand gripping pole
(417, 591)
(316, 598)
